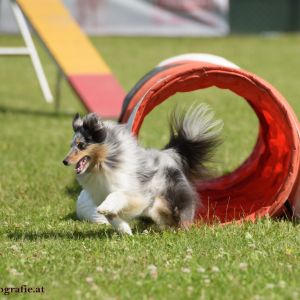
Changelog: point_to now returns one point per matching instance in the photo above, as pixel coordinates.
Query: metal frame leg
(32, 51)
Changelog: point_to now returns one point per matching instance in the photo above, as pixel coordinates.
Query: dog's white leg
(86, 209)
(111, 207)
(113, 204)
(120, 225)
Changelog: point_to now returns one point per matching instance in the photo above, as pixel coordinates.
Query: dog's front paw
(106, 211)
(99, 219)
(125, 229)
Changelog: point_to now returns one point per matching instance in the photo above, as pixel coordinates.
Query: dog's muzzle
(65, 162)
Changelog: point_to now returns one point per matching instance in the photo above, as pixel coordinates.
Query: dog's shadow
(70, 216)
(100, 232)
(73, 190)
(54, 235)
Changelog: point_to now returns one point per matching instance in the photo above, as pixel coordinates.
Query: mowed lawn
(43, 245)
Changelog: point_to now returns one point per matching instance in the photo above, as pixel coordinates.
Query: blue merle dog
(122, 180)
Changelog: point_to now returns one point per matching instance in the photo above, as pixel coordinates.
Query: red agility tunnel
(265, 183)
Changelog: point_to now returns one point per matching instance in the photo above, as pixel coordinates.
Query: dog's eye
(81, 146)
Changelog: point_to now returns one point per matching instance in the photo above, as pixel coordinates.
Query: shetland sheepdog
(122, 180)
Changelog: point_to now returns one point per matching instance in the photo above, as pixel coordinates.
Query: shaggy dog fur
(124, 180)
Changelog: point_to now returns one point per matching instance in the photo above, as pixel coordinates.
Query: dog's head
(87, 148)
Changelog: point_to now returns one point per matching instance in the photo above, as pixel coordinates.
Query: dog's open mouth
(82, 165)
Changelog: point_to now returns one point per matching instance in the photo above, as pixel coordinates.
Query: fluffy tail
(194, 135)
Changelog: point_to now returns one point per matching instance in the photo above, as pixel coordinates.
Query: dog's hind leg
(186, 216)
(161, 214)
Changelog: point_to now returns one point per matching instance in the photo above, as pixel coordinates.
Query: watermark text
(21, 289)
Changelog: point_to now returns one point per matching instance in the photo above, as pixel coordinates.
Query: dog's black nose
(65, 162)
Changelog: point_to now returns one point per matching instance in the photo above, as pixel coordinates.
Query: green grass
(41, 244)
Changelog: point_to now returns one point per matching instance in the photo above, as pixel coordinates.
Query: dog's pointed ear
(95, 127)
(77, 122)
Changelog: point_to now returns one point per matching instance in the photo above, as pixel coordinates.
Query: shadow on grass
(288, 215)
(54, 235)
(73, 190)
(25, 111)
(70, 216)
(100, 232)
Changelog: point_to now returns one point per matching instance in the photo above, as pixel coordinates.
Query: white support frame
(28, 50)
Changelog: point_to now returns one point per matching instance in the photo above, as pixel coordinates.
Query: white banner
(142, 17)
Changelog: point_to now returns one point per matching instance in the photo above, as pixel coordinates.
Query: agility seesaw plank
(82, 65)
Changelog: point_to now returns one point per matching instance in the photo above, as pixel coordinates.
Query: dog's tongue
(80, 165)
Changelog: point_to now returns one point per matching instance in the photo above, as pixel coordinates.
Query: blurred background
(176, 17)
